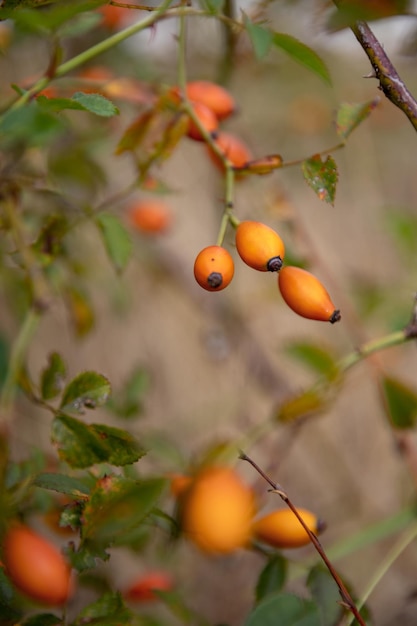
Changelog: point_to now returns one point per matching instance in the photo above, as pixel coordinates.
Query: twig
(276, 488)
(390, 81)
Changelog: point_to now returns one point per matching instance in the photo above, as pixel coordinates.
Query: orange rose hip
(213, 96)
(217, 511)
(282, 529)
(36, 567)
(233, 148)
(150, 216)
(207, 119)
(214, 268)
(306, 295)
(259, 246)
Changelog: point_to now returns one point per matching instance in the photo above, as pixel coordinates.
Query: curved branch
(389, 80)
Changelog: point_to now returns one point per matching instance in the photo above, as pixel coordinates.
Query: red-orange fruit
(150, 216)
(143, 588)
(259, 246)
(306, 295)
(213, 96)
(214, 268)
(217, 511)
(36, 567)
(206, 118)
(234, 149)
(112, 16)
(282, 529)
(179, 483)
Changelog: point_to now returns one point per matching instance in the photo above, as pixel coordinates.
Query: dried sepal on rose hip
(306, 295)
(259, 246)
(214, 268)
(282, 529)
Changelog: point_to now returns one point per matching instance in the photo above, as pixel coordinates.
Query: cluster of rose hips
(260, 247)
(218, 513)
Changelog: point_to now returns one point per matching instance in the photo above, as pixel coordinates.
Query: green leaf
(400, 403)
(350, 115)
(118, 504)
(322, 176)
(87, 391)
(86, 555)
(116, 240)
(80, 310)
(30, 126)
(62, 484)
(83, 445)
(306, 404)
(49, 243)
(316, 358)
(49, 19)
(96, 103)
(272, 578)
(123, 447)
(77, 444)
(56, 105)
(42, 619)
(326, 594)
(108, 610)
(286, 610)
(53, 376)
(302, 54)
(261, 37)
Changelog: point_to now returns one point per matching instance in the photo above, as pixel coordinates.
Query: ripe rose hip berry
(36, 567)
(306, 295)
(212, 96)
(150, 216)
(143, 588)
(214, 268)
(206, 118)
(282, 529)
(234, 149)
(217, 509)
(259, 246)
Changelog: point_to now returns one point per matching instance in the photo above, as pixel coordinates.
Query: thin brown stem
(390, 81)
(347, 600)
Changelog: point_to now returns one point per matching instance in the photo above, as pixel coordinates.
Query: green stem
(370, 347)
(386, 564)
(182, 54)
(17, 357)
(228, 204)
(87, 55)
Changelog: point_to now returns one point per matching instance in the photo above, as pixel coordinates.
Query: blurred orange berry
(212, 96)
(143, 588)
(36, 567)
(282, 529)
(217, 510)
(206, 118)
(150, 216)
(233, 148)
